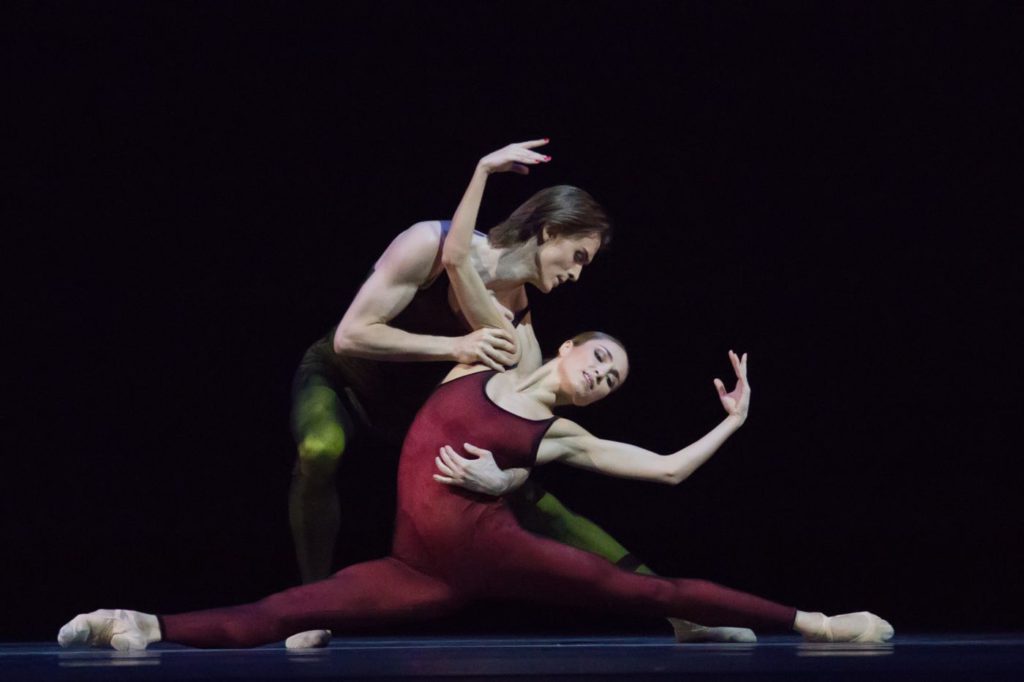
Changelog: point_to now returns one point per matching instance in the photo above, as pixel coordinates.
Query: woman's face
(561, 259)
(591, 370)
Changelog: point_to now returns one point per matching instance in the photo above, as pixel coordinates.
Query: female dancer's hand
(479, 475)
(516, 157)
(737, 401)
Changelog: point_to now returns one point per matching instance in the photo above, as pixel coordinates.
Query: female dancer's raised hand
(516, 157)
(737, 401)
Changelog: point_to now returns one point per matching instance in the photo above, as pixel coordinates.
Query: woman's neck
(542, 386)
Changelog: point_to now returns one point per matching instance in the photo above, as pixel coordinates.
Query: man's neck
(505, 268)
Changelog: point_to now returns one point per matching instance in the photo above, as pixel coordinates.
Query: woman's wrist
(735, 421)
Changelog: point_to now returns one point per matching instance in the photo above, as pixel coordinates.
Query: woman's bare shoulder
(459, 371)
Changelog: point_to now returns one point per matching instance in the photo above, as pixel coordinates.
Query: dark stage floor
(911, 657)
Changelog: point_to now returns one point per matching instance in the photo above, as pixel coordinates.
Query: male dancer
(400, 335)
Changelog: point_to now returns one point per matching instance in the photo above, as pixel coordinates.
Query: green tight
(540, 512)
(319, 423)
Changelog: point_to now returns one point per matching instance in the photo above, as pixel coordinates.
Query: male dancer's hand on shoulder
(488, 346)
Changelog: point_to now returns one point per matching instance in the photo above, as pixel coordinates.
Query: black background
(200, 188)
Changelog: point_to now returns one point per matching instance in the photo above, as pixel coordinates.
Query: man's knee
(320, 450)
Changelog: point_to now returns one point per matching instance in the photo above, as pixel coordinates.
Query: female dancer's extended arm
(571, 443)
(476, 301)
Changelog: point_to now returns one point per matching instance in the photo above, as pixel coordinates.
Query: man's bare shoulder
(415, 254)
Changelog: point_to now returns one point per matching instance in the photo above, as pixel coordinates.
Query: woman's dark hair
(565, 210)
(590, 336)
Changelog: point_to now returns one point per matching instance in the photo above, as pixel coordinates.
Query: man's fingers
(500, 339)
(502, 345)
(444, 479)
(494, 333)
(482, 357)
(501, 357)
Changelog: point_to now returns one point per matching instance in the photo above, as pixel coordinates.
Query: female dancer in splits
(452, 546)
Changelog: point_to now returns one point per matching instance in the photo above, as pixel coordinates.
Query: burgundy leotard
(452, 546)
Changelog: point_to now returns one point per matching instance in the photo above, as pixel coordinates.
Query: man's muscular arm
(407, 264)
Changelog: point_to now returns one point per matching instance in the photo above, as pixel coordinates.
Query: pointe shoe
(862, 627)
(310, 639)
(685, 631)
(121, 629)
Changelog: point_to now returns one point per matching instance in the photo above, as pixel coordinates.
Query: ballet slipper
(121, 629)
(310, 639)
(685, 631)
(861, 627)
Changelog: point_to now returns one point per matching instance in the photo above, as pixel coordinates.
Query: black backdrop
(204, 185)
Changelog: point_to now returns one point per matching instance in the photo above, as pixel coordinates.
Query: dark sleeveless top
(458, 412)
(389, 393)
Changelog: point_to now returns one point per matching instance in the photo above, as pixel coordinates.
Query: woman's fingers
(474, 450)
(452, 459)
(443, 468)
(735, 359)
(721, 388)
(516, 157)
(527, 159)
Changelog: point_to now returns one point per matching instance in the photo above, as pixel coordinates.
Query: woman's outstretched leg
(520, 564)
(370, 594)
(540, 512)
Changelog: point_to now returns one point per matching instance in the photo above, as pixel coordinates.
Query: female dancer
(452, 546)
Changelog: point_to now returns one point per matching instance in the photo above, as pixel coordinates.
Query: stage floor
(910, 657)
